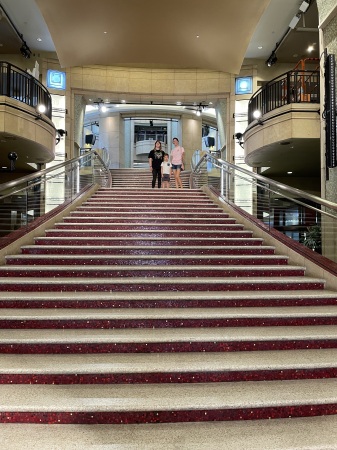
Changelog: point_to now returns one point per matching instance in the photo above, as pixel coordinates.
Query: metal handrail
(41, 173)
(25, 199)
(308, 219)
(291, 190)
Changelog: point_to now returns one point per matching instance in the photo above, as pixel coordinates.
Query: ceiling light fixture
(24, 49)
(271, 60)
(304, 6)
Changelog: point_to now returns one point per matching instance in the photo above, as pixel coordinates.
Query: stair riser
(149, 234)
(150, 210)
(149, 242)
(148, 227)
(160, 273)
(59, 250)
(143, 287)
(227, 303)
(164, 347)
(171, 215)
(169, 377)
(217, 222)
(59, 261)
(164, 323)
(167, 416)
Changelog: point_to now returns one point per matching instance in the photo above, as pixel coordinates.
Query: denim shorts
(166, 177)
(176, 166)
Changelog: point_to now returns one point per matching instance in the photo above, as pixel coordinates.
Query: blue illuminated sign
(243, 85)
(56, 79)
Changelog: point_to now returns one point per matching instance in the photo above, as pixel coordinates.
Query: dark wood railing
(297, 86)
(20, 85)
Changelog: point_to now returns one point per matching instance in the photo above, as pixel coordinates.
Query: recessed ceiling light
(260, 47)
(105, 32)
(198, 36)
(289, 173)
(310, 48)
(123, 101)
(178, 103)
(39, 39)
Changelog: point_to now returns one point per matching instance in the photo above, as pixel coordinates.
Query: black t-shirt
(157, 157)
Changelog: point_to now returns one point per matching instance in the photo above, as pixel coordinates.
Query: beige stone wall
(142, 85)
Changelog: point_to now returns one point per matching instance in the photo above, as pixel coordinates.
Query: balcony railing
(20, 85)
(297, 86)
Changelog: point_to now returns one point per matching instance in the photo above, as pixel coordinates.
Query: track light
(271, 60)
(304, 6)
(25, 50)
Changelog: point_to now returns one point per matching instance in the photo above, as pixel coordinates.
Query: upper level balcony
(283, 133)
(24, 130)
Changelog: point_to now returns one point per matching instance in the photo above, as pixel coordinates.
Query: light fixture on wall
(239, 138)
(40, 109)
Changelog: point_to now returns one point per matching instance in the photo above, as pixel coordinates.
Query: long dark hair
(154, 148)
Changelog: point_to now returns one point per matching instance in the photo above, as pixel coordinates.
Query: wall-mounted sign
(56, 79)
(244, 85)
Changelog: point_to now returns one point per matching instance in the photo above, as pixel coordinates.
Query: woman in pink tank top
(177, 161)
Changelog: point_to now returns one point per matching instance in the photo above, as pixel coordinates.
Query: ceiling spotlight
(103, 108)
(271, 60)
(257, 114)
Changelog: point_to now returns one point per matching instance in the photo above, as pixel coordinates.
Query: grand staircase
(151, 319)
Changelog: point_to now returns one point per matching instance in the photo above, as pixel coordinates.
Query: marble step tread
(156, 247)
(281, 434)
(77, 215)
(167, 397)
(167, 313)
(280, 360)
(183, 226)
(160, 213)
(169, 282)
(168, 335)
(163, 270)
(212, 207)
(66, 228)
(152, 239)
(173, 295)
(196, 258)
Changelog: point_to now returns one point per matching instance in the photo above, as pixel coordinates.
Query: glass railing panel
(308, 220)
(23, 200)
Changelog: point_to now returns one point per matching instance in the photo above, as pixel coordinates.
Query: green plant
(313, 238)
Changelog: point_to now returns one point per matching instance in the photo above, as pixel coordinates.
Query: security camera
(12, 156)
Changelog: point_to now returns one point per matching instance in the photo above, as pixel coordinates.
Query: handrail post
(222, 180)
